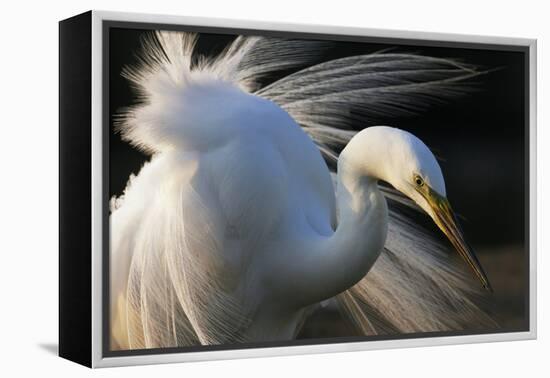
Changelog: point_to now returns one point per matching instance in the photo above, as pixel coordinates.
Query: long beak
(444, 217)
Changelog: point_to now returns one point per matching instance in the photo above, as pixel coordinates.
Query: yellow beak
(444, 217)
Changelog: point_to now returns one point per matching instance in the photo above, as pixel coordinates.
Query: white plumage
(234, 230)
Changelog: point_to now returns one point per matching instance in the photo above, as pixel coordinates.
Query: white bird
(234, 230)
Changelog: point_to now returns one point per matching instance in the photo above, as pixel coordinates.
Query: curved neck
(333, 264)
(363, 221)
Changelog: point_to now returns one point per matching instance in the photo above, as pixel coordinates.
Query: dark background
(480, 140)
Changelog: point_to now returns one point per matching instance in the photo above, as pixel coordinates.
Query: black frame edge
(75, 217)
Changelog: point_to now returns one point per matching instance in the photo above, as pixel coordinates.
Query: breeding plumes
(247, 216)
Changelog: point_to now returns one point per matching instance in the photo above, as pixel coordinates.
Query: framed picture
(233, 189)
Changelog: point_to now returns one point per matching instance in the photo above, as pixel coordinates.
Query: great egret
(234, 230)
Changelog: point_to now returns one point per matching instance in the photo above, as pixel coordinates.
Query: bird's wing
(170, 286)
(168, 64)
(414, 286)
(145, 310)
(183, 235)
(187, 224)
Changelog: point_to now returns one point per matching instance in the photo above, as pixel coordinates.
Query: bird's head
(406, 163)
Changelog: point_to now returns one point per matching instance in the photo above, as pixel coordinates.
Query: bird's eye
(418, 181)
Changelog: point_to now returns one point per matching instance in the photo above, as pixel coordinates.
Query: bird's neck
(355, 192)
(345, 257)
(361, 165)
(363, 220)
(339, 261)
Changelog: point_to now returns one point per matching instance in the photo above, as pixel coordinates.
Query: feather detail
(166, 74)
(330, 99)
(181, 298)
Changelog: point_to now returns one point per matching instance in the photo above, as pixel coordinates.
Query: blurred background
(479, 140)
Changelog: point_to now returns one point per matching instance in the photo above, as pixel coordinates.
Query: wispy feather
(175, 289)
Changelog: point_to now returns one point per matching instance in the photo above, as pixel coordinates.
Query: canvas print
(274, 189)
